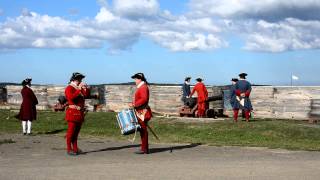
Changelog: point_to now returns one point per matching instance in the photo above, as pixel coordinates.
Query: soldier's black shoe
(71, 153)
(142, 152)
(80, 152)
(24, 134)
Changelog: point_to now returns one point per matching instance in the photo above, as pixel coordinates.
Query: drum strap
(134, 137)
(135, 132)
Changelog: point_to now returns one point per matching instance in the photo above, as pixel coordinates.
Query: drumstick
(153, 133)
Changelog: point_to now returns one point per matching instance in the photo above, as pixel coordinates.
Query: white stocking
(24, 126)
(29, 127)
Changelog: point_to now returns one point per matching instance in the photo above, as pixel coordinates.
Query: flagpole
(291, 79)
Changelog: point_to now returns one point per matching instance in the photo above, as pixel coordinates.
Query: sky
(167, 40)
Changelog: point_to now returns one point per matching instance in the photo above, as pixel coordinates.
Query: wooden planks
(268, 101)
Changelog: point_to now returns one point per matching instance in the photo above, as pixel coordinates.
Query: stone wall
(268, 101)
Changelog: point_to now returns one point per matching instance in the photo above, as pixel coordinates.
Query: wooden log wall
(117, 97)
(284, 102)
(163, 99)
(268, 101)
(46, 95)
(14, 98)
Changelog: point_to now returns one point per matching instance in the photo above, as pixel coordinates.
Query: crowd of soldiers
(239, 96)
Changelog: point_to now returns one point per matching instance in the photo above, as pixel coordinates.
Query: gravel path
(44, 157)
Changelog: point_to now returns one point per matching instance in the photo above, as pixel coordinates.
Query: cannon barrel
(191, 102)
(214, 98)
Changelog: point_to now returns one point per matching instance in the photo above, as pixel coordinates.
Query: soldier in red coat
(28, 111)
(202, 92)
(75, 93)
(144, 114)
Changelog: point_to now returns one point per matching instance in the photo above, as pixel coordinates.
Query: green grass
(287, 134)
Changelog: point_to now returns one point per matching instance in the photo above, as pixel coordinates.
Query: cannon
(190, 108)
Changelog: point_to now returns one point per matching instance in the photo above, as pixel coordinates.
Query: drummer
(140, 104)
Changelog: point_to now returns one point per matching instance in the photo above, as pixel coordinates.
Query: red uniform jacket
(202, 92)
(28, 109)
(141, 100)
(75, 98)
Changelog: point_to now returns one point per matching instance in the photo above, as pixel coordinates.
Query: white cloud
(270, 25)
(43, 31)
(176, 41)
(286, 35)
(121, 25)
(111, 26)
(136, 8)
(104, 16)
(267, 9)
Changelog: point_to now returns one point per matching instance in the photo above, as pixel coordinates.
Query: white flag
(295, 77)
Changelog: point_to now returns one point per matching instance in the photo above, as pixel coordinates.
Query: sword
(141, 116)
(153, 133)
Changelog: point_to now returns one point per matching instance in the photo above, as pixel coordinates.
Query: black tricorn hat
(235, 79)
(77, 76)
(26, 81)
(243, 75)
(199, 79)
(187, 78)
(139, 76)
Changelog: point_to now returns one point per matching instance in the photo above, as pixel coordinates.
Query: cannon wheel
(210, 113)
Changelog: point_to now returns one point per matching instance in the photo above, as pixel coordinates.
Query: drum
(127, 121)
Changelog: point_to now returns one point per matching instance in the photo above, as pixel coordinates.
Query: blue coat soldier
(186, 89)
(243, 90)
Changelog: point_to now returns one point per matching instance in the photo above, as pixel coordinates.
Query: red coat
(202, 92)
(28, 109)
(75, 98)
(141, 100)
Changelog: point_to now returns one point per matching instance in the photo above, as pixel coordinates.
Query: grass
(286, 134)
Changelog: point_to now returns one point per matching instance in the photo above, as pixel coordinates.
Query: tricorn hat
(243, 75)
(26, 81)
(199, 79)
(139, 76)
(235, 79)
(187, 78)
(77, 76)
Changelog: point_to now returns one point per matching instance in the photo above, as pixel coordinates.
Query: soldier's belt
(75, 107)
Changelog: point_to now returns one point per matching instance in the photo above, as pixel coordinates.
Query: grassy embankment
(287, 134)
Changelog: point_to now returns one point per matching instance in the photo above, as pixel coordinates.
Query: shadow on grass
(54, 131)
(112, 148)
(172, 148)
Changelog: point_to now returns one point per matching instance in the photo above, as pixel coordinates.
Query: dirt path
(44, 157)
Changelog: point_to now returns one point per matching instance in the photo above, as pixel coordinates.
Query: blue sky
(108, 41)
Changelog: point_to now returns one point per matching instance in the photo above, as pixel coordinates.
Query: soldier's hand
(83, 85)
